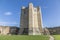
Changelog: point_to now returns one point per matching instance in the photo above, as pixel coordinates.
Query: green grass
(23, 37)
(57, 37)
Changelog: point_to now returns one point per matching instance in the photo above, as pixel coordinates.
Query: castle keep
(31, 20)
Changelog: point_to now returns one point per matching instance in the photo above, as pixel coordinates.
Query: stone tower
(31, 20)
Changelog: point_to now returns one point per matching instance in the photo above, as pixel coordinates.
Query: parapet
(23, 7)
(30, 4)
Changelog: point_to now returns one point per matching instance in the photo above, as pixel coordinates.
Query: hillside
(57, 37)
(23, 37)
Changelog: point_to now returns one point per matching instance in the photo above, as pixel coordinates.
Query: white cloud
(8, 13)
(8, 23)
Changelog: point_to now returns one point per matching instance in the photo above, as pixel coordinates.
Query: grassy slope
(23, 37)
(57, 37)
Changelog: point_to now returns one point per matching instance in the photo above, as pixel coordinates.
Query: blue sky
(10, 11)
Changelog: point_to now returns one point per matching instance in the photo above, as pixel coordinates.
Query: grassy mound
(57, 37)
(23, 37)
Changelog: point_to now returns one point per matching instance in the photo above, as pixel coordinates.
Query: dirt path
(51, 37)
